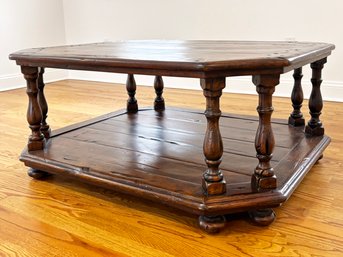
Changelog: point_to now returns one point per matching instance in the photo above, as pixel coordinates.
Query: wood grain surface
(159, 156)
(59, 217)
(198, 58)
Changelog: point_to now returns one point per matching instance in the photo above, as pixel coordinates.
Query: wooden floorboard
(59, 217)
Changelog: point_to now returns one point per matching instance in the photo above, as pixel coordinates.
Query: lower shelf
(159, 156)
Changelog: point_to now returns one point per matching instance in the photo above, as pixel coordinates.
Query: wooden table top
(178, 58)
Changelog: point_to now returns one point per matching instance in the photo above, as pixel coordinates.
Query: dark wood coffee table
(158, 153)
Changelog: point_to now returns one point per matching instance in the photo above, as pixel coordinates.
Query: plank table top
(178, 58)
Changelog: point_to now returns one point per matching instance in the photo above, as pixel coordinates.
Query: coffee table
(206, 163)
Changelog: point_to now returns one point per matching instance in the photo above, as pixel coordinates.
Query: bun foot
(213, 224)
(320, 157)
(262, 217)
(37, 174)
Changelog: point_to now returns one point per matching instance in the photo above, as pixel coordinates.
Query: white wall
(26, 24)
(306, 20)
(34, 23)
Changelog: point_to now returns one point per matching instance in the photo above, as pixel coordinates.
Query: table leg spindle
(34, 112)
(132, 105)
(213, 181)
(159, 101)
(263, 177)
(314, 126)
(296, 118)
(45, 128)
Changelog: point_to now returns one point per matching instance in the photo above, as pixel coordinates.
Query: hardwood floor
(58, 217)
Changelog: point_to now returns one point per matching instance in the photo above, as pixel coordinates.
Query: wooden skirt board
(159, 156)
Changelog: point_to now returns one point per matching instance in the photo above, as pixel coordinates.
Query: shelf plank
(160, 157)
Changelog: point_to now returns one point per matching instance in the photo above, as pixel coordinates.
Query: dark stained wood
(132, 105)
(44, 128)
(296, 117)
(146, 162)
(159, 100)
(37, 174)
(185, 139)
(264, 177)
(34, 112)
(314, 126)
(212, 224)
(213, 179)
(200, 59)
(157, 154)
(262, 217)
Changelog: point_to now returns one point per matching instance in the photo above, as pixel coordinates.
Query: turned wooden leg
(314, 126)
(263, 177)
(213, 180)
(212, 224)
(44, 128)
(296, 118)
(262, 217)
(132, 105)
(159, 101)
(37, 174)
(34, 112)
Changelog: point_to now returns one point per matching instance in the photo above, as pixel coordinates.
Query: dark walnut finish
(296, 118)
(34, 111)
(197, 59)
(213, 181)
(37, 174)
(132, 105)
(44, 128)
(159, 100)
(264, 177)
(314, 126)
(262, 217)
(251, 164)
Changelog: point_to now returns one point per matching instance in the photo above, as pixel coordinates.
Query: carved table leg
(263, 177)
(45, 129)
(314, 126)
(132, 105)
(212, 224)
(159, 101)
(262, 217)
(296, 118)
(34, 112)
(213, 181)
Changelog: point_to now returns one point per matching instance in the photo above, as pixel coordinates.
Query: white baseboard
(13, 81)
(331, 90)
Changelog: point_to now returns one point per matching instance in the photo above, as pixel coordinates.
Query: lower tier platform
(159, 156)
